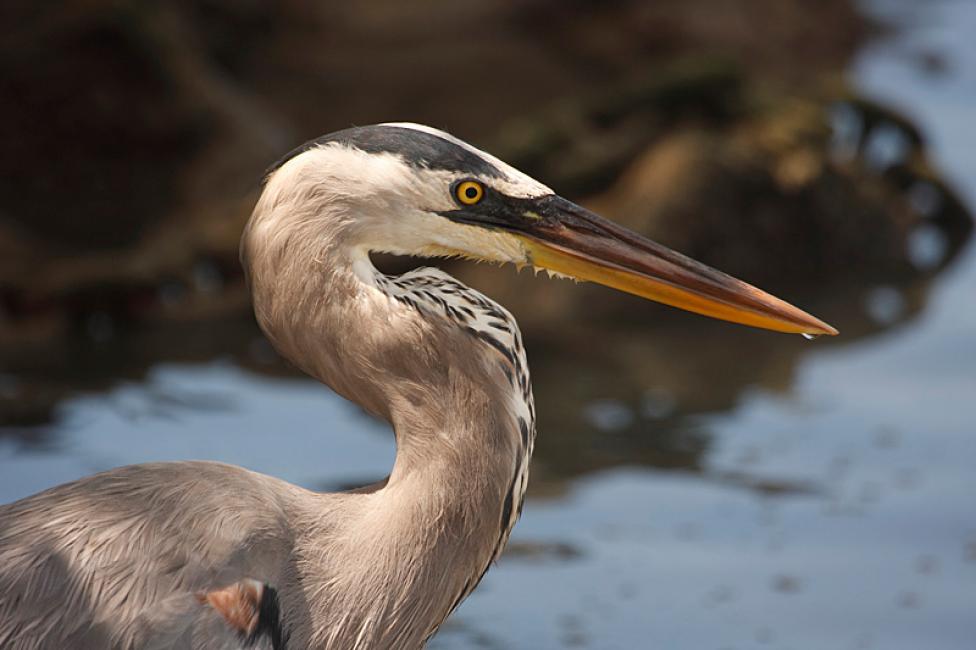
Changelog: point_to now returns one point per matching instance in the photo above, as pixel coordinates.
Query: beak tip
(821, 328)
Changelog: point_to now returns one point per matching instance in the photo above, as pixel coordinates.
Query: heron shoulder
(125, 554)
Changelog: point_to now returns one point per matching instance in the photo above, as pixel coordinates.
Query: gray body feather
(84, 567)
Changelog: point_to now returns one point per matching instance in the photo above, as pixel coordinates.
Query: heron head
(414, 190)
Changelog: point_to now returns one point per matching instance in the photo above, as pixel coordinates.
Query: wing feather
(119, 559)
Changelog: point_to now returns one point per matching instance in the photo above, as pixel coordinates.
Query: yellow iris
(469, 192)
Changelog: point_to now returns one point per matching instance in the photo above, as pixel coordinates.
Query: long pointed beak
(568, 239)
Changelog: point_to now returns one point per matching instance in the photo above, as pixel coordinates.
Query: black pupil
(471, 192)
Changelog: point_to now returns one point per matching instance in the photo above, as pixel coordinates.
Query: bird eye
(469, 192)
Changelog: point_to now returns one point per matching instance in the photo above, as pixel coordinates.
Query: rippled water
(836, 512)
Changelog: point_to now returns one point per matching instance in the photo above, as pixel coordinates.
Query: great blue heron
(204, 555)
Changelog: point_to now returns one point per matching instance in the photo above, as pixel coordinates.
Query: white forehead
(513, 182)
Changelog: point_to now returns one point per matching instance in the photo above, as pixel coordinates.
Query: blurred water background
(696, 485)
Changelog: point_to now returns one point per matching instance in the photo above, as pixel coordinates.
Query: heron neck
(462, 424)
(461, 412)
(456, 393)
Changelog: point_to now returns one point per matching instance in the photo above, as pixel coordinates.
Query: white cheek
(425, 234)
(403, 234)
(480, 243)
